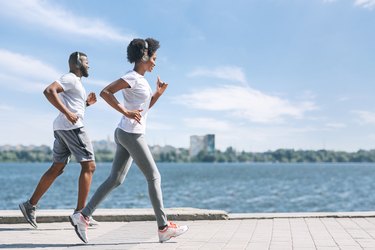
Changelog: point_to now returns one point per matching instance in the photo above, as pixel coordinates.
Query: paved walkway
(273, 233)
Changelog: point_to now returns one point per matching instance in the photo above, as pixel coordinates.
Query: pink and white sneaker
(170, 231)
(80, 224)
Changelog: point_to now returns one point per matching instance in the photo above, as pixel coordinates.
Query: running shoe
(80, 224)
(28, 212)
(170, 231)
(93, 222)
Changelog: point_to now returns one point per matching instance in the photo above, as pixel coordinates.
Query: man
(69, 96)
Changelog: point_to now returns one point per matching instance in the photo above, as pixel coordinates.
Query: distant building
(104, 145)
(204, 143)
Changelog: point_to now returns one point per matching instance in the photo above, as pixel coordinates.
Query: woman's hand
(161, 86)
(134, 114)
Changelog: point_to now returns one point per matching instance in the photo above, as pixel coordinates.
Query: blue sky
(259, 74)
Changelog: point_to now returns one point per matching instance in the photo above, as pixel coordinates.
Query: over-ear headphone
(78, 62)
(145, 56)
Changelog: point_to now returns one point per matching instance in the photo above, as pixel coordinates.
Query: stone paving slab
(272, 234)
(239, 216)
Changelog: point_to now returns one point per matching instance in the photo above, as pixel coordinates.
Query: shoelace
(172, 225)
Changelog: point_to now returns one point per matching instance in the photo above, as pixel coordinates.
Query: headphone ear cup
(145, 57)
(79, 63)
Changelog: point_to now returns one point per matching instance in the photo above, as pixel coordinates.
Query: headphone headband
(79, 63)
(145, 56)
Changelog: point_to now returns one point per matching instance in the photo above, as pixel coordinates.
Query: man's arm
(51, 93)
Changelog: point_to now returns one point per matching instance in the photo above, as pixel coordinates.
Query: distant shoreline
(181, 155)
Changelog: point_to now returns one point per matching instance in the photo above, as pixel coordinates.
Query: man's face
(85, 66)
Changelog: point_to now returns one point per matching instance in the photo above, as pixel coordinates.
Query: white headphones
(79, 62)
(145, 56)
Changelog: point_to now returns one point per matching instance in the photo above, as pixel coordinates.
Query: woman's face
(150, 64)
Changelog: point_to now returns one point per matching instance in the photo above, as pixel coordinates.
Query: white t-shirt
(74, 98)
(138, 96)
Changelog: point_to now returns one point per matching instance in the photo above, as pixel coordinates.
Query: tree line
(229, 155)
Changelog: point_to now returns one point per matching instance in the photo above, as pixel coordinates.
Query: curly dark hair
(136, 47)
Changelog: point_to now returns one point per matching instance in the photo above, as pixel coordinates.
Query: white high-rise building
(204, 143)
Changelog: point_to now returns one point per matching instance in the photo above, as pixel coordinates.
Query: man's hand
(91, 99)
(73, 118)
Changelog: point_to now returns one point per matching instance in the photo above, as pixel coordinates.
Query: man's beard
(84, 71)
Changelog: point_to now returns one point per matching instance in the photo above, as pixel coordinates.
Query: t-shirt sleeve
(66, 82)
(130, 79)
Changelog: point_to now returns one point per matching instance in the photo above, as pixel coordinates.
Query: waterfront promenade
(136, 229)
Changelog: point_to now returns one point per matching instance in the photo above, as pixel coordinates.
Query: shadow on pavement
(30, 245)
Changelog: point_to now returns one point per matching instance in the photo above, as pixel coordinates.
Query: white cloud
(365, 117)
(50, 15)
(153, 125)
(39, 126)
(245, 103)
(5, 108)
(99, 83)
(335, 125)
(24, 73)
(209, 124)
(368, 4)
(19, 64)
(232, 73)
(28, 74)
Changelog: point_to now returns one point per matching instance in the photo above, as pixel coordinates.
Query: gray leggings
(131, 146)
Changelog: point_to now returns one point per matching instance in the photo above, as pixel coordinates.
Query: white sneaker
(170, 231)
(93, 222)
(80, 225)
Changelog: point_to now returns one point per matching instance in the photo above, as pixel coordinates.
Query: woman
(129, 138)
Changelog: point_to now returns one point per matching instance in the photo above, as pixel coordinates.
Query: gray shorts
(76, 142)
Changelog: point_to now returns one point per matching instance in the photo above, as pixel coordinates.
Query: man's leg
(46, 181)
(85, 178)
(28, 208)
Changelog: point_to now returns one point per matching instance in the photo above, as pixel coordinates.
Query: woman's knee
(116, 180)
(154, 177)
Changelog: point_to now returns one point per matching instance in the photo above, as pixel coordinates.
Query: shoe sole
(76, 230)
(23, 210)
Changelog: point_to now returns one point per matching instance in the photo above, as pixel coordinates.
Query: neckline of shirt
(137, 73)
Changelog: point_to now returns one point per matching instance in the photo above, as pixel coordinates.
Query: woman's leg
(120, 167)
(136, 145)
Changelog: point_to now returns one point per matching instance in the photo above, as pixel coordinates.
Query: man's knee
(56, 169)
(88, 166)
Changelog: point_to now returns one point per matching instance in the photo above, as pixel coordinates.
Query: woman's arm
(160, 88)
(108, 95)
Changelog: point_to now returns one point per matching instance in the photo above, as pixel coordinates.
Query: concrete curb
(179, 214)
(109, 215)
